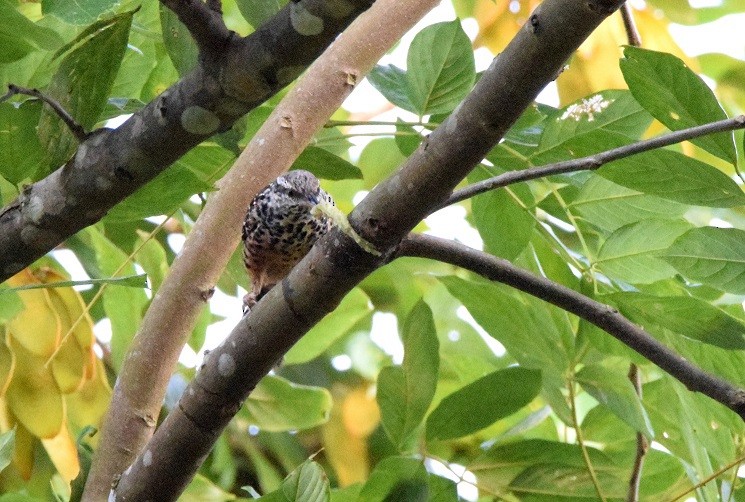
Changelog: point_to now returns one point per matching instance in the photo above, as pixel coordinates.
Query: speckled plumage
(280, 229)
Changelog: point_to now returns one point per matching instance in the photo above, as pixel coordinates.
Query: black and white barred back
(280, 228)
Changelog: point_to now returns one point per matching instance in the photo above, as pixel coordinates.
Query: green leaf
(440, 68)
(441, 489)
(123, 306)
(609, 206)
(10, 305)
(326, 165)
(684, 315)
(201, 488)
(396, 479)
(192, 173)
(605, 120)
(280, 405)
(352, 309)
(617, 393)
(82, 84)
(713, 256)
(483, 402)
(390, 81)
(153, 259)
(180, 46)
(77, 11)
(525, 326)
(19, 36)
(138, 281)
(503, 217)
(674, 176)
(307, 483)
(258, 11)
(501, 465)
(405, 393)
(632, 252)
(21, 153)
(7, 445)
(676, 96)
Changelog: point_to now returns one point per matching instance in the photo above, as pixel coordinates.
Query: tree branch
(111, 164)
(336, 264)
(632, 33)
(593, 162)
(205, 24)
(174, 310)
(602, 316)
(642, 444)
(76, 129)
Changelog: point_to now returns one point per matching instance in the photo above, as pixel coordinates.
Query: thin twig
(204, 22)
(602, 316)
(596, 161)
(581, 441)
(632, 33)
(76, 129)
(713, 475)
(642, 444)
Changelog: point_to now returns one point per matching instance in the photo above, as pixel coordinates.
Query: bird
(282, 223)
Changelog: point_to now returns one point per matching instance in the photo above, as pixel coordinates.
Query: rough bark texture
(246, 73)
(234, 76)
(336, 263)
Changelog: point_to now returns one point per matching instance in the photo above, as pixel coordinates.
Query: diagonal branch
(632, 32)
(112, 163)
(76, 129)
(602, 316)
(336, 264)
(275, 146)
(204, 22)
(595, 161)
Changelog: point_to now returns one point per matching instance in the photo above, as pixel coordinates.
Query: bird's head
(300, 186)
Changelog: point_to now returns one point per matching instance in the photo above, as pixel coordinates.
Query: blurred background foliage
(427, 382)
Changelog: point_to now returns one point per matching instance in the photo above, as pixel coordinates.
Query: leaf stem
(580, 439)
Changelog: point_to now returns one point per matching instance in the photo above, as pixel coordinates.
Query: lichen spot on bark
(198, 120)
(147, 458)
(303, 21)
(225, 365)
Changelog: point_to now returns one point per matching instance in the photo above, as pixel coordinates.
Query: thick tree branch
(204, 22)
(111, 164)
(336, 264)
(174, 310)
(602, 316)
(595, 161)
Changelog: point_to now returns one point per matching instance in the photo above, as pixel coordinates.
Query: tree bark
(233, 77)
(249, 71)
(336, 264)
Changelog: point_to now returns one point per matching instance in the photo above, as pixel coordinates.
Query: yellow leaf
(88, 405)
(36, 327)
(347, 453)
(23, 454)
(63, 453)
(33, 396)
(7, 363)
(360, 413)
(498, 24)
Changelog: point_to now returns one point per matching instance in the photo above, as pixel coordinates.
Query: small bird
(282, 224)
